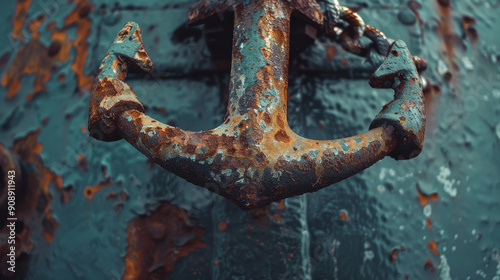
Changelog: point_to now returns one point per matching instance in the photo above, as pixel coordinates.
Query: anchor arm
(110, 94)
(253, 176)
(406, 113)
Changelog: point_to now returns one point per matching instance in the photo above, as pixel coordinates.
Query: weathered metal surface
(32, 198)
(110, 95)
(375, 225)
(406, 113)
(254, 158)
(157, 242)
(349, 36)
(204, 11)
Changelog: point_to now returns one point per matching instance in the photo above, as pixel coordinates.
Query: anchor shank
(259, 73)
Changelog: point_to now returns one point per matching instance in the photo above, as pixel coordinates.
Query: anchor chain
(348, 36)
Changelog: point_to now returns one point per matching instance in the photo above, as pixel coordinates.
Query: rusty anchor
(254, 158)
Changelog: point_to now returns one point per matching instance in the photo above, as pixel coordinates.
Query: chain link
(349, 36)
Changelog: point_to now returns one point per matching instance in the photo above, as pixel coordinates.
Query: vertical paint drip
(218, 211)
(306, 241)
(298, 205)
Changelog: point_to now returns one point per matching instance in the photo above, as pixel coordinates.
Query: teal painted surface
(460, 160)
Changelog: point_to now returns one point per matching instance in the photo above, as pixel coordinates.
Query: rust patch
(33, 186)
(123, 33)
(282, 136)
(407, 104)
(50, 226)
(31, 58)
(276, 217)
(90, 191)
(279, 121)
(424, 198)
(36, 58)
(79, 17)
(331, 52)
(190, 148)
(22, 7)
(428, 264)
(222, 225)
(394, 253)
(432, 245)
(343, 216)
(81, 162)
(61, 78)
(449, 37)
(267, 118)
(467, 27)
(148, 236)
(280, 205)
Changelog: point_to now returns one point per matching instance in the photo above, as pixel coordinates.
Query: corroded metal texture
(158, 241)
(207, 10)
(349, 36)
(32, 198)
(253, 158)
(407, 111)
(433, 217)
(110, 95)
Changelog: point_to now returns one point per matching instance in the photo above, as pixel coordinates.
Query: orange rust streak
(90, 191)
(38, 148)
(31, 58)
(26, 146)
(61, 78)
(47, 236)
(414, 6)
(343, 216)
(276, 217)
(426, 198)
(79, 16)
(432, 245)
(281, 205)
(394, 252)
(331, 51)
(429, 222)
(22, 7)
(34, 26)
(222, 225)
(428, 264)
(445, 29)
(50, 227)
(430, 97)
(60, 36)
